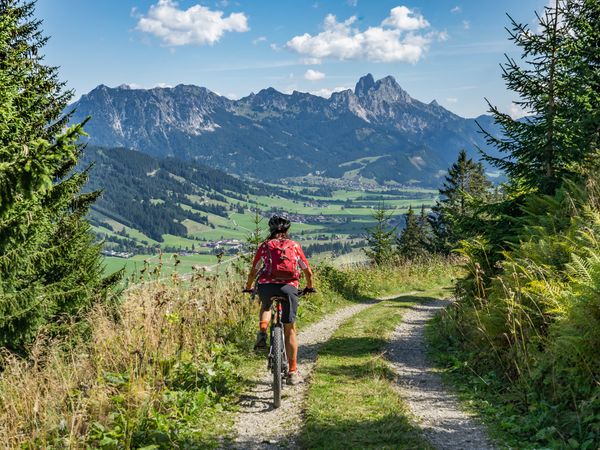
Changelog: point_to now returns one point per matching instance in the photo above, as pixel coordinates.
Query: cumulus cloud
(456, 9)
(259, 39)
(396, 39)
(313, 75)
(403, 18)
(466, 24)
(197, 25)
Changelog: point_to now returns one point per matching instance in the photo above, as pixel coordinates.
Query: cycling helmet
(279, 223)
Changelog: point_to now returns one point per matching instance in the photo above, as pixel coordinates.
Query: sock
(263, 324)
(293, 366)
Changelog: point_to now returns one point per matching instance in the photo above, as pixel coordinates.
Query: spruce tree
(556, 85)
(49, 264)
(453, 216)
(380, 237)
(412, 241)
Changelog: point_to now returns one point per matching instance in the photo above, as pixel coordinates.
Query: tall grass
(132, 380)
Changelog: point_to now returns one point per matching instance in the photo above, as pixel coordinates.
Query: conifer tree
(49, 264)
(465, 186)
(556, 85)
(412, 241)
(380, 237)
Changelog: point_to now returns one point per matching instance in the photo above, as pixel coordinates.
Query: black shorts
(289, 308)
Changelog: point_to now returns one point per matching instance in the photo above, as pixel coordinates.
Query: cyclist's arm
(251, 278)
(256, 265)
(308, 274)
(309, 278)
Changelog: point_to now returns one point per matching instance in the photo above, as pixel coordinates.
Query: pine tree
(49, 264)
(380, 238)
(412, 241)
(556, 86)
(581, 52)
(465, 186)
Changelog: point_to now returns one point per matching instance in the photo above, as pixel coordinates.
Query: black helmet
(279, 223)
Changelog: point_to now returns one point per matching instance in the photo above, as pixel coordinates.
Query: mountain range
(376, 131)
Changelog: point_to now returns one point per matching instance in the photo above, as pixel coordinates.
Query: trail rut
(436, 410)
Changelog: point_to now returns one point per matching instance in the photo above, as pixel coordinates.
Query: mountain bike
(277, 361)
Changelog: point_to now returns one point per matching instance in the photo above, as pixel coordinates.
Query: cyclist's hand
(308, 290)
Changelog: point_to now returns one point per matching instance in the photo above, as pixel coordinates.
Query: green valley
(152, 205)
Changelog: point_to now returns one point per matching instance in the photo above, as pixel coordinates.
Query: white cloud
(313, 75)
(451, 100)
(259, 39)
(352, 2)
(404, 19)
(196, 25)
(326, 93)
(466, 24)
(395, 40)
(456, 9)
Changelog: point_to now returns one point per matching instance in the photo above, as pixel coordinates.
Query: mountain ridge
(270, 134)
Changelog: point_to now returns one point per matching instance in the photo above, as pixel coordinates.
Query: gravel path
(258, 425)
(437, 411)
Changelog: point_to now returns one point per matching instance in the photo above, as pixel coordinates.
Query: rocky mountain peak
(364, 84)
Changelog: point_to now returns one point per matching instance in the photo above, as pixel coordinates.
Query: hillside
(149, 202)
(377, 131)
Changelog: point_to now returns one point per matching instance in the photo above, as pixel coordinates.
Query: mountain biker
(273, 283)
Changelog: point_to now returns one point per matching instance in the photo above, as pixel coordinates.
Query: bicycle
(277, 361)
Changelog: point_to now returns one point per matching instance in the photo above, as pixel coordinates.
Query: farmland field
(341, 216)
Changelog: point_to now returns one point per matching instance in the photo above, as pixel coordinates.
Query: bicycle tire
(277, 365)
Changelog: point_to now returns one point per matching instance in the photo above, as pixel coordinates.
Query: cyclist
(277, 264)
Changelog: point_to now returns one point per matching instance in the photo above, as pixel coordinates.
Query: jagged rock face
(295, 134)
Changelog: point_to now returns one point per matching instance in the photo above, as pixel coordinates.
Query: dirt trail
(437, 411)
(258, 425)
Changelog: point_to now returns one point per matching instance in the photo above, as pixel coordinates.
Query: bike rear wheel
(277, 367)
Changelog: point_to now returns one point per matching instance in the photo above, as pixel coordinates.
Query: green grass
(352, 401)
(136, 263)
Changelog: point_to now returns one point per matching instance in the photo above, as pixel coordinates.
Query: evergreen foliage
(558, 88)
(456, 214)
(49, 265)
(526, 324)
(380, 237)
(413, 241)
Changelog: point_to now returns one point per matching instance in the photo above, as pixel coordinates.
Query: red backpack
(282, 260)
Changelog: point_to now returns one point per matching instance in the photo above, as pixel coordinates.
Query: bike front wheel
(277, 367)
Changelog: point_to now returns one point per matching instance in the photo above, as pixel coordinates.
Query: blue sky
(436, 49)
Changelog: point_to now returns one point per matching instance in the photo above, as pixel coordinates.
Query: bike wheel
(277, 365)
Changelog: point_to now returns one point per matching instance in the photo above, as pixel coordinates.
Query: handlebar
(302, 292)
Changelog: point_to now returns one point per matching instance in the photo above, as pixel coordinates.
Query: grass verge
(166, 369)
(352, 401)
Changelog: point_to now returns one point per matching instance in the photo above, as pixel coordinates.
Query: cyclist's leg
(265, 292)
(290, 309)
